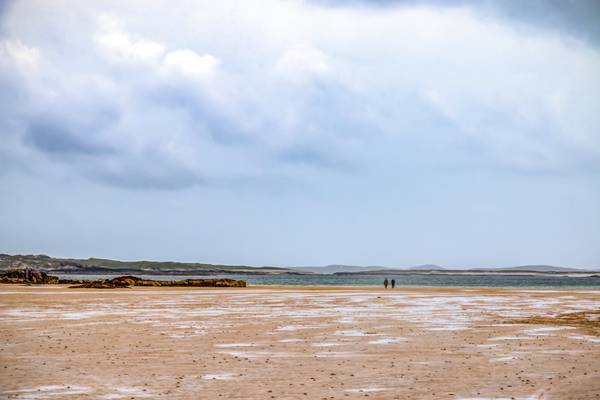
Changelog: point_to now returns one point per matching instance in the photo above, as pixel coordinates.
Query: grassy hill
(102, 265)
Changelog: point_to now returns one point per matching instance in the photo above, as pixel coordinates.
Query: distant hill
(103, 266)
(332, 269)
(520, 270)
(106, 266)
(338, 268)
(538, 268)
(428, 267)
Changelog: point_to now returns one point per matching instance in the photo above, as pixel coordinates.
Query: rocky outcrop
(106, 284)
(130, 281)
(194, 283)
(114, 283)
(72, 281)
(125, 280)
(32, 276)
(28, 276)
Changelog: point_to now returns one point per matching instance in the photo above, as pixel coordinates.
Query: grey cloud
(59, 139)
(4, 8)
(141, 176)
(577, 17)
(315, 157)
(206, 117)
(580, 18)
(165, 175)
(108, 164)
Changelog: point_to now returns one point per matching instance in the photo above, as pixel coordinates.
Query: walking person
(385, 283)
(393, 283)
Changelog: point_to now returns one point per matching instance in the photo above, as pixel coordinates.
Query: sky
(296, 133)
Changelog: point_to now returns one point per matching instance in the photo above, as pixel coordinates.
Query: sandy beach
(298, 343)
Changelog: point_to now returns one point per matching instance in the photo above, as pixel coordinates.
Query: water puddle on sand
(187, 335)
(356, 333)
(127, 392)
(532, 397)
(512, 338)
(447, 328)
(223, 376)
(227, 345)
(388, 340)
(81, 314)
(503, 359)
(543, 331)
(326, 354)
(366, 390)
(326, 344)
(587, 338)
(292, 328)
(255, 354)
(48, 392)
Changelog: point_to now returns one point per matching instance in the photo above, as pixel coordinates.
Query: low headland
(34, 277)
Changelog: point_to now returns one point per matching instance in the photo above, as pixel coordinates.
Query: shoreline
(582, 274)
(278, 288)
(110, 281)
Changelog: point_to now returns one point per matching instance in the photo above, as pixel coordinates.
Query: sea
(416, 280)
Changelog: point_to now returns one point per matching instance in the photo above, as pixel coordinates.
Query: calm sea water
(377, 280)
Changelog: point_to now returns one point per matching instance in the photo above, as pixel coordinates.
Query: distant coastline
(474, 272)
(96, 266)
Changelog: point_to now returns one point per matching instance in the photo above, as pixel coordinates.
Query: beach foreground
(298, 343)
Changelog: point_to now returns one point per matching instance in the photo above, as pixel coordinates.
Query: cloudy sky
(295, 132)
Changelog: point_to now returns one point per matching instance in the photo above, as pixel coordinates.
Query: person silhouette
(385, 283)
(393, 283)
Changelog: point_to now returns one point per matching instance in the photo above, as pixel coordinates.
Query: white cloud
(190, 64)
(18, 54)
(119, 46)
(302, 59)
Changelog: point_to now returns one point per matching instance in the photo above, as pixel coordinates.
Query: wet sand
(298, 343)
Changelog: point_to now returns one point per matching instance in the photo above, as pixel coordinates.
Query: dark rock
(129, 281)
(211, 283)
(72, 281)
(125, 280)
(148, 282)
(27, 275)
(106, 284)
(33, 276)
